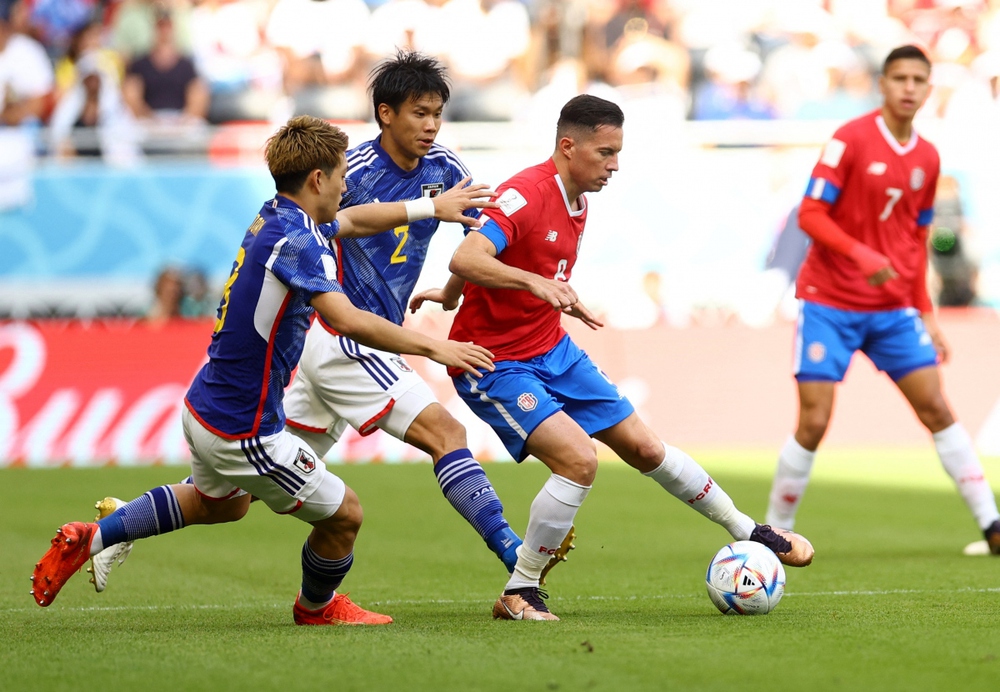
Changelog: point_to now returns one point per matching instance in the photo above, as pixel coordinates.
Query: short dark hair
(409, 75)
(908, 52)
(586, 112)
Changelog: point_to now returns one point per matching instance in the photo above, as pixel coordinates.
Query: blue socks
(320, 576)
(151, 514)
(467, 488)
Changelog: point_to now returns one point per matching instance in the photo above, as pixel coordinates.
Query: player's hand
(467, 356)
(580, 312)
(937, 337)
(559, 294)
(449, 205)
(433, 295)
(886, 273)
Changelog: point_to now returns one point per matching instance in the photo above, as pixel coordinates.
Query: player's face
(331, 191)
(905, 86)
(408, 134)
(594, 158)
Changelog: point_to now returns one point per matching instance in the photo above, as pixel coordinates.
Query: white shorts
(282, 470)
(340, 382)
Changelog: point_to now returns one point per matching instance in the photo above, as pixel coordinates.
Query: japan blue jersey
(379, 272)
(262, 320)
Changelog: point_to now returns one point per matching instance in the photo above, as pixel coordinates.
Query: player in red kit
(546, 397)
(863, 288)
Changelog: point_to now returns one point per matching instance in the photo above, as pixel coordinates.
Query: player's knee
(580, 465)
(437, 432)
(220, 511)
(935, 414)
(349, 516)
(812, 427)
(650, 452)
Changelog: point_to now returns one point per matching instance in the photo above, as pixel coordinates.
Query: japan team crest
(304, 461)
(431, 189)
(527, 402)
(917, 178)
(401, 364)
(816, 352)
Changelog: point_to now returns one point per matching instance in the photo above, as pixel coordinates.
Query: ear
(385, 113)
(313, 181)
(565, 146)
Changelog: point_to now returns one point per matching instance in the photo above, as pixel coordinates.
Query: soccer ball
(745, 578)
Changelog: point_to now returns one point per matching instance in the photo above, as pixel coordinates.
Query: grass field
(889, 603)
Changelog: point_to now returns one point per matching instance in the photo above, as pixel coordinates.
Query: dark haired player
(862, 288)
(546, 397)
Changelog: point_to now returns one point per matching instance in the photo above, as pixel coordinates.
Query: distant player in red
(547, 397)
(863, 288)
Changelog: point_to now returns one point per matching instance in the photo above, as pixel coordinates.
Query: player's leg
(461, 478)
(922, 388)
(825, 341)
(685, 479)
(795, 461)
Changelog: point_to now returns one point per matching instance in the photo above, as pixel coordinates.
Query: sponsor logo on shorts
(917, 178)
(304, 461)
(527, 402)
(816, 352)
(431, 189)
(401, 364)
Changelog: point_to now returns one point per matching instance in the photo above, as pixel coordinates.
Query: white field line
(445, 601)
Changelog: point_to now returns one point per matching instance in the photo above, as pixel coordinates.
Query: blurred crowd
(185, 63)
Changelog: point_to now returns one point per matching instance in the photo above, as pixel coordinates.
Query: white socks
(789, 485)
(97, 544)
(551, 518)
(959, 459)
(685, 479)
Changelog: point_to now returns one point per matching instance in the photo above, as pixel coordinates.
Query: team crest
(304, 461)
(916, 178)
(431, 189)
(816, 352)
(401, 364)
(527, 402)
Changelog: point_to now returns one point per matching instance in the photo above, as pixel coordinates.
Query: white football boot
(100, 564)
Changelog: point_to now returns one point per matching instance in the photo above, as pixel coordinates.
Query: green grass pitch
(889, 603)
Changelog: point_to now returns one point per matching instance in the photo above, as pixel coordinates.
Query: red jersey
(543, 236)
(882, 193)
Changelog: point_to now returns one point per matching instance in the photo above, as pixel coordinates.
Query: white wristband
(417, 209)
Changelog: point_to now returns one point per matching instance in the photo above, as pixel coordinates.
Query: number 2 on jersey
(221, 321)
(895, 194)
(403, 233)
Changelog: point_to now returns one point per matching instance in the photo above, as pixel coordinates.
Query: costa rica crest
(527, 402)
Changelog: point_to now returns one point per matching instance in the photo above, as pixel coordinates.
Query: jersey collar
(393, 166)
(901, 149)
(562, 189)
(327, 230)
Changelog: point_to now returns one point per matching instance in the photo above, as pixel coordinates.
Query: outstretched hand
(580, 312)
(466, 356)
(449, 205)
(559, 294)
(433, 295)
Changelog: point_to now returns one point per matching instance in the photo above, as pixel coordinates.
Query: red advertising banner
(75, 393)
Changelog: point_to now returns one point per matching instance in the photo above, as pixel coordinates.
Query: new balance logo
(551, 236)
(877, 167)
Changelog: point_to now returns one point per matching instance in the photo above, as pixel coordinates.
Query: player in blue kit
(341, 383)
(233, 420)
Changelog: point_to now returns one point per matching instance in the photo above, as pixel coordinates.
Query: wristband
(417, 209)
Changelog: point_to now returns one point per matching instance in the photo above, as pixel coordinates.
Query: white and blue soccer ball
(745, 578)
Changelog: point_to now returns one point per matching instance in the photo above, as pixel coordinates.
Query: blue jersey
(379, 272)
(262, 320)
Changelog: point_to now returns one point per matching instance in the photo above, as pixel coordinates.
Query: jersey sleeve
(829, 174)
(514, 215)
(925, 213)
(304, 264)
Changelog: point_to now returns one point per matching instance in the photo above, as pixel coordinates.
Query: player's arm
(475, 261)
(369, 219)
(816, 222)
(447, 296)
(376, 332)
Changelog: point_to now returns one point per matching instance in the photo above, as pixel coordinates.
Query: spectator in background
(168, 293)
(133, 29)
(728, 94)
(954, 272)
(55, 22)
(198, 300)
(94, 110)
(88, 39)
(26, 76)
(163, 85)
(850, 90)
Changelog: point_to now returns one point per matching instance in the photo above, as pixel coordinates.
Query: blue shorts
(826, 339)
(516, 397)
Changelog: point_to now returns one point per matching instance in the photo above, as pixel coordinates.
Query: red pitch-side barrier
(111, 391)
